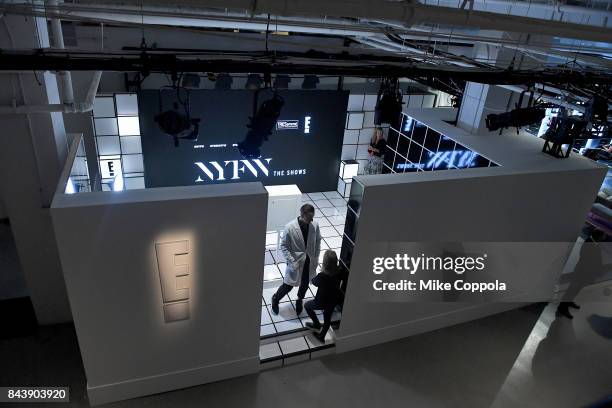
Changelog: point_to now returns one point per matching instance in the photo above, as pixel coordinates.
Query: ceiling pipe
(546, 98)
(65, 78)
(532, 6)
(390, 46)
(407, 13)
(167, 17)
(514, 88)
(74, 107)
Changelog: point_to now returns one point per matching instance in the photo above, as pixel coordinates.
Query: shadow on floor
(462, 365)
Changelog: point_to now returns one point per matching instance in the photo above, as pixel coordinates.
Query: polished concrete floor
(522, 358)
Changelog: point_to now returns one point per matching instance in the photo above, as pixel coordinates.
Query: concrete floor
(523, 358)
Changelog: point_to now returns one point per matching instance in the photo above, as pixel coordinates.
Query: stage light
(261, 126)
(178, 126)
(515, 118)
(223, 81)
(254, 82)
(310, 82)
(175, 124)
(282, 81)
(388, 103)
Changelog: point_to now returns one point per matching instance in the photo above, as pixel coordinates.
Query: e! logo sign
(174, 274)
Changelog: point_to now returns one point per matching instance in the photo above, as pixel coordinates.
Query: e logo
(174, 275)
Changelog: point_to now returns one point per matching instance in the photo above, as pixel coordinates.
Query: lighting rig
(262, 122)
(389, 102)
(177, 122)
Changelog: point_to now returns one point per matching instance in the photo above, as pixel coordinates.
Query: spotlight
(261, 126)
(176, 124)
(515, 118)
(310, 82)
(389, 102)
(282, 81)
(253, 82)
(223, 81)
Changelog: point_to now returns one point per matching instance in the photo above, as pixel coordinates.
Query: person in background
(590, 266)
(327, 297)
(300, 245)
(376, 151)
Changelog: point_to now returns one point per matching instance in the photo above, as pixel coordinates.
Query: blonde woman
(376, 151)
(328, 295)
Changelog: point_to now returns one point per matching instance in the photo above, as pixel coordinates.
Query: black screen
(304, 147)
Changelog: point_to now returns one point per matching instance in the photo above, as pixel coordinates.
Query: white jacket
(292, 247)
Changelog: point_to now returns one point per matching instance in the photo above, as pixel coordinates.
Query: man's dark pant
(284, 288)
(313, 305)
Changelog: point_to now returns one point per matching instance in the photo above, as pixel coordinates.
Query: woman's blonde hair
(376, 130)
(330, 262)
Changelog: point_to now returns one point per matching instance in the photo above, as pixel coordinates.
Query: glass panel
(108, 145)
(431, 160)
(446, 143)
(463, 159)
(410, 167)
(407, 125)
(392, 139)
(132, 163)
(432, 140)
(79, 167)
(388, 157)
(399, 165)
(127, 104)
(418, 134)
(104, 107)
(106, 126)
(414, 154)
(134, 183)
(403, 145)
(129, 126)
(480, 161)
(131, 145)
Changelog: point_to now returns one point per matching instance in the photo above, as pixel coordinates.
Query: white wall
(107, 245)
(531, 196)
(433, 207)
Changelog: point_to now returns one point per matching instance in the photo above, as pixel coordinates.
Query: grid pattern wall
(117, 132)
(360, 123)
(416, 147)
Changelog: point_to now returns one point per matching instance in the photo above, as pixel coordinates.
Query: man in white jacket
(300, 246)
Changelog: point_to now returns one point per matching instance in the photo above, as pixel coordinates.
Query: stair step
(292, 348)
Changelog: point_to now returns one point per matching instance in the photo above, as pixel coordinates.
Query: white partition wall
(164, 284)
(530, 197)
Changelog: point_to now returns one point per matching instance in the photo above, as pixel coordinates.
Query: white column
(480, 100)
(33, 149)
